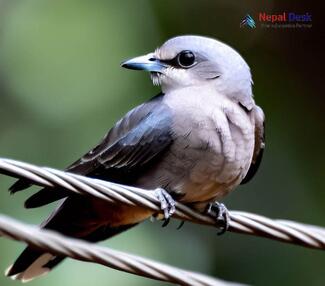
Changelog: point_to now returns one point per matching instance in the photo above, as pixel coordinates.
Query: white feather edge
(35, 270)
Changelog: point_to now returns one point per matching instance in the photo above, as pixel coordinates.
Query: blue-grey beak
(147, 63)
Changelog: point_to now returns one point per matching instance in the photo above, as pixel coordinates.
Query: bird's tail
(33, 263)
(30, 264)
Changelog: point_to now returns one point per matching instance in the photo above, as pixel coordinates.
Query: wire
(55, 243)
(241, 222)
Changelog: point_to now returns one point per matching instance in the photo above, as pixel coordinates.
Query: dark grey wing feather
(259, 144)
(124, 127)
(131, 146)
(140, 145)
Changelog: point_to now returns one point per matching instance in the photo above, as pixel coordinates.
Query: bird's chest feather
(214, 142)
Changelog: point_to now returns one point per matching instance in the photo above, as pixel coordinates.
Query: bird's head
(195, 60)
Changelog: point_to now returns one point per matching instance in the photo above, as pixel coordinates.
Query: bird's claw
(167, 203)
(221, 214)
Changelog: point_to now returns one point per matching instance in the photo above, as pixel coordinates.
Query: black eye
(186, 59)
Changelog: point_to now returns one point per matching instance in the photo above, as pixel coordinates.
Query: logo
(285, 17)
(248, 21)
(281, 20)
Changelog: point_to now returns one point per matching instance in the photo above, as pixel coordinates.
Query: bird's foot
(221, 214)
(167, 204)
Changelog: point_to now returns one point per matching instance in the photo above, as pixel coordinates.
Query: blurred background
(61, 89)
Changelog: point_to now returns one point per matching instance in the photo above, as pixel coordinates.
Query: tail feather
(30, 264)
(44, 196)
(33, 263)
(20, 185)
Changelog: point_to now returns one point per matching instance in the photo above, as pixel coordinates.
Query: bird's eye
(186, 59)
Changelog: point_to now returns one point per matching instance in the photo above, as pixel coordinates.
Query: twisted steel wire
(57, 244)
(241, 222)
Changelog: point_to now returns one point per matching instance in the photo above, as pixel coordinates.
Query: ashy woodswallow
(196, 141)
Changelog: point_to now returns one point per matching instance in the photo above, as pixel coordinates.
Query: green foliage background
(61, 89)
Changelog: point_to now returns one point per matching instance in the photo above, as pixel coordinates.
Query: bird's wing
(131, 146)
(141, 135)
(259, 144)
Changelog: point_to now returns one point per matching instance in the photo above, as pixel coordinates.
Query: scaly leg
(167, 203)
(221, 214)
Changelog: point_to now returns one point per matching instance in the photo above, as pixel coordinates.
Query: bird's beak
(147, 63)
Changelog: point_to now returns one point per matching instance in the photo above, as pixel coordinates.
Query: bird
(194, 142)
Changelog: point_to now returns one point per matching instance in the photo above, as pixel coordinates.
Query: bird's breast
(213, 147)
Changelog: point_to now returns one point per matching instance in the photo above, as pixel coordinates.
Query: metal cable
(55, 243)
(241, 222)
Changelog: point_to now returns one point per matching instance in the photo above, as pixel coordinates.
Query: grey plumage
(199, 139)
